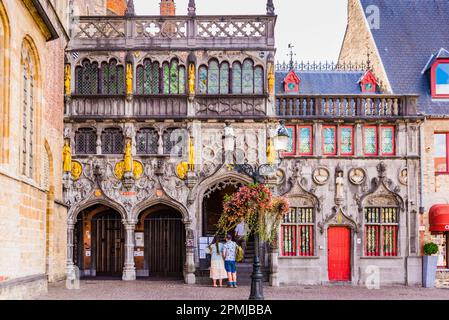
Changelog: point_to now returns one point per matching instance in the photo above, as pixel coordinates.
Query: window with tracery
(108, 79)
(214, 79)
(174, 141)
(86, 141)
(112, 141)
(147, 77)
(173, 78)
(147, 141)
(247, 79)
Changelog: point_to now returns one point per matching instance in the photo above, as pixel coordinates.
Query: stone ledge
(22, 280)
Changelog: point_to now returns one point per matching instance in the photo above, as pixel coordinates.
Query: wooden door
(339, 254)
(165, 244)
(109, 244)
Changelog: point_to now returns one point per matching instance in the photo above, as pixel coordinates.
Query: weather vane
(291, 54)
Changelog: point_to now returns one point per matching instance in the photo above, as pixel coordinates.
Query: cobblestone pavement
(176, 290)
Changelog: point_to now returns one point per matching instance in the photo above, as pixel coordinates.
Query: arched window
(224, 78)
(112, 78)
(147, 78)
(112, 141)
(214, 79)
(147, 141)
(247, 79)
(202, 80)
(174, 78)
(5, 89)
(85, 141)
(28, 109)
(236, 78)
(86, 78)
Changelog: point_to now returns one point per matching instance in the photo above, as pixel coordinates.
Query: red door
(339, 254)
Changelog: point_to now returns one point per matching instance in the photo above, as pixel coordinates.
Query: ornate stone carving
(339, 217)
(321, 176)
(357, 176)
(403, 176)
(174, 187)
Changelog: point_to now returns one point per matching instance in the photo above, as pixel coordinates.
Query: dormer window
(440, 79)
(291, 82)
(368, 83)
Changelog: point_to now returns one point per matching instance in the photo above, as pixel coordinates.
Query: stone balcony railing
(139, 32)
(348, 106)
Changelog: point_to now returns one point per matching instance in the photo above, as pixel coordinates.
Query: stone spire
(168, 7)
(130, 9)
(270, 8)
(191, 9)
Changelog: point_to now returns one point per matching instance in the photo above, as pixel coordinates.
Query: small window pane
(248, 77)
(329, 141)
(442, 78)
(202, 80)
(440, 152)
(305, 140)
(213, 78)
(174, 77)
(236, 78)
(291, 139)
(258, 80)
(347, 141)
(182, 80)
(370, 143)
(387, 140)
(224, 78)
(166, 78)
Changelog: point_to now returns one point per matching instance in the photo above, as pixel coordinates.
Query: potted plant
(430, 261)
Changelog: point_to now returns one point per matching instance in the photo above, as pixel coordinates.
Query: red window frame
(294, 142)
(447, 153)
(335, 140)
(393, 142)
(433, 82)
(298, 133)
(376, 153)
(352, 140)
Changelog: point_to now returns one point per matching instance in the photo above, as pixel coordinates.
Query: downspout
(421, 183)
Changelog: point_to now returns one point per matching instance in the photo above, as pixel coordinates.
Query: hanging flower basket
(261, 212)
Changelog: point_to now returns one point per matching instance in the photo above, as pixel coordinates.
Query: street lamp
(280, 142)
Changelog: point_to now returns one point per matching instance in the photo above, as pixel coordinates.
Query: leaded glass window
(248, 77)
(202, 80)
(112, 78)
(258, 80)
(213, 79)
(173, 78)
(387, 136)
(86, 78)
(370, 140)
(305, 140)
(166, 77)
(86, 141)
(236, 78)
(147, 78)
(112, 141)
(291, 140)
(174, 141)
(182, 80)
(147, 141)
(224, 78)
(347, 140)
(297, 232)
(381, 231)
(329, 141)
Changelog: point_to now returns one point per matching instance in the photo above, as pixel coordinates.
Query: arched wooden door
(108, 244)
(165, 243)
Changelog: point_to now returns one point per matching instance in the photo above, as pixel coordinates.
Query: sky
(315, 27)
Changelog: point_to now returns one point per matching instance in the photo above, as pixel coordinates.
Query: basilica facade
(158, 109)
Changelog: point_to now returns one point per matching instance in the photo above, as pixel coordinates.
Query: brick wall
(168, 8)
(116, 7)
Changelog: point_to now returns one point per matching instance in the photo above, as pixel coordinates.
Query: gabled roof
(410, 32)
(441, 54)
(323, 82)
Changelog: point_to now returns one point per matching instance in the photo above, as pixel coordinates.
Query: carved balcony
(236, 106)
(350, 106)
(200, 32)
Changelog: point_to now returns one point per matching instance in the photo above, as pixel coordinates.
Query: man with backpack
(230, 249)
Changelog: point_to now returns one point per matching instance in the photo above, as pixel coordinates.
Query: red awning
(439, 218)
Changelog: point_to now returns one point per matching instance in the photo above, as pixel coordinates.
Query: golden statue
(67, 157)
(191, 79)
(67, 80)
(181, 170)
(191, 163)
(77, 170)
(129, 79)
(271, 153)
(271, 79)
(128, 160)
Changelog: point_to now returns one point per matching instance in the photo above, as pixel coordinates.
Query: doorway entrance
(339, 254)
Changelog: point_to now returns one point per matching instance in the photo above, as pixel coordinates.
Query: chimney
(168, 8)
(116, 7)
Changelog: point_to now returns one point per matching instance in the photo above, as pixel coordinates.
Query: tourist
(241, 231)
(229, 251)
(217, 267)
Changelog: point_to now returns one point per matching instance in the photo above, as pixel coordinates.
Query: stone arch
(75, 210)
(5, 36)
(139, 208)
(381, 195)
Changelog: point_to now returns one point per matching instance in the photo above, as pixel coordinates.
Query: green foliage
(430, 249)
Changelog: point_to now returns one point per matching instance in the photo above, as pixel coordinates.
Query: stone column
(70, 266)
(189, 267)
(274, 265)
(129, 271)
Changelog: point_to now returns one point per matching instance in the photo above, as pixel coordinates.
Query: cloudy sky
(316, 28)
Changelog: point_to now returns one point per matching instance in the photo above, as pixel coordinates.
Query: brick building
(32, 212)
(409, 53)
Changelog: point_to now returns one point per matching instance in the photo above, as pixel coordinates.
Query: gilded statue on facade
(271, 79)
(271, 153)
(67, 157)
(129, 79)
(191, 79)
(67, 80)
(191, 166)
(128, 160)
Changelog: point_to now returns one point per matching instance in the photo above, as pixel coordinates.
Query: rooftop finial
(368, 60)
(191, 8)
(270, 8)
(130, 9)
(291, 54)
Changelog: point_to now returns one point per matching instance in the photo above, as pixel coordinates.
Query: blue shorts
(230, 266)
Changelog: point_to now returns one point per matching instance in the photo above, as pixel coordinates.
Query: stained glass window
(224, 78)
(258, 80)
(387, 140)
(112, 78)
(182, 80)
(381, 231)
(248, 77)
(147, 141)
(147, 78)
(291, 140)
(305, 140)
(370, 140)
(329, 139)
(85, 141)
(112, 141)
(236, 78)
(87, 78)
(213, 80)
(346, 140)
(174, 80)
(202, 80)
(297, 232)
(166, 78)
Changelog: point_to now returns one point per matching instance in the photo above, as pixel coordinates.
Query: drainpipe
(421, 184)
